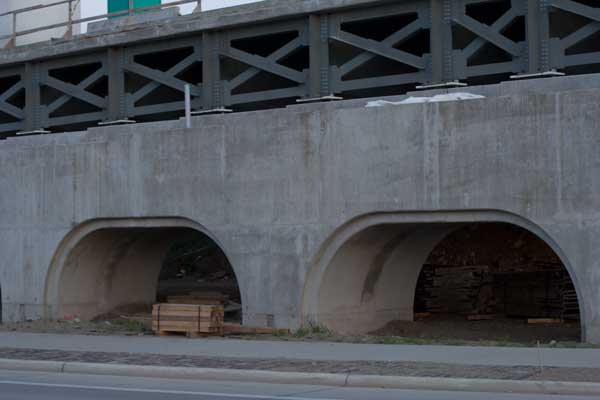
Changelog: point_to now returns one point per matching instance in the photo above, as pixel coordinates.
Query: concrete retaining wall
(273, 187)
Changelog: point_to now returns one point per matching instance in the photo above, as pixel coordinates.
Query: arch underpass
(108, 266)
(456, 272)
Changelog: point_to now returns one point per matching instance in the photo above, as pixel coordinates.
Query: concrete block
(123, 22)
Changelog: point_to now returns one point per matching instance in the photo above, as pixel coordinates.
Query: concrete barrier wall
(273, 187)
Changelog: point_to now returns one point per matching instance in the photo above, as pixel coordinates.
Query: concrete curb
(303, 378)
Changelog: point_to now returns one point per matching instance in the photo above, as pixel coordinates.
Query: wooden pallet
(534, 321)
(191, 319)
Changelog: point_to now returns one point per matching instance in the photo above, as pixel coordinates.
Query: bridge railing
(70, 22)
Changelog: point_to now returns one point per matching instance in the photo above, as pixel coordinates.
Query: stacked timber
(532, 294)
(570, 303)
(537, 291)
(444, 289)
(191, 319)
(199, 298)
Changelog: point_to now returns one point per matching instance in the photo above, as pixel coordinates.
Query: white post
(188, 107)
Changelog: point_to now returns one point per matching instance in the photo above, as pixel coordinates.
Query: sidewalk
(277, 350)
(448, 368)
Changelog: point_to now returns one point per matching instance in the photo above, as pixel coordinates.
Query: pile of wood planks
(532, 291)
(192, 319)
(450, 289)
(570, 303)
(199, 298)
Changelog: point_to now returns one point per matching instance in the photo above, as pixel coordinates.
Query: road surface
(18, 385)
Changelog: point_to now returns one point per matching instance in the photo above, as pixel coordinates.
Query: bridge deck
(275, 53)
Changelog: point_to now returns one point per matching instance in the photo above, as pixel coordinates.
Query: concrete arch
(343, 295)
(104, 263)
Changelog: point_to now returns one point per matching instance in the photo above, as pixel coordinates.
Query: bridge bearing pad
(445, 85)
(546, 74)
(34, 132)
(213, 111)
(117, 122)
(320, 99)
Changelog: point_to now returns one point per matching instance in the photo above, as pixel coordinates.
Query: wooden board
(188, 318)
(199, 298)
(544, 321)
(485, 317)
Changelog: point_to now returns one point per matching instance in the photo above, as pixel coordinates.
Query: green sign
(120, 5)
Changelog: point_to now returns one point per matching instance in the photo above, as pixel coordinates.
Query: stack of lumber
(199, 298)
(444, 289)
(531, 294)
(191, 319)
(538, 291)
(570, 303)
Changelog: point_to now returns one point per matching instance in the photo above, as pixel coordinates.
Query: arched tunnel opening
(114, 273)
(478, 281)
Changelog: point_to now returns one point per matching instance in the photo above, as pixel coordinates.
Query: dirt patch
(434, 331)
(128, 326)
(451, 327)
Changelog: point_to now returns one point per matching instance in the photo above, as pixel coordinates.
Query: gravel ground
(367, 368)
(442, 332)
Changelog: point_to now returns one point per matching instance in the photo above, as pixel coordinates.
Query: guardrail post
(198, 7)
(12, 42)
(69, 32)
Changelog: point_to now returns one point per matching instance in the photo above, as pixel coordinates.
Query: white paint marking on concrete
(157, 391)
(434, 99)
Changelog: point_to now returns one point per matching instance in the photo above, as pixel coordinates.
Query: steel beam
(538, 36)
(117, 105)
(33, 107)
(441, 42)
(319, 80)
(212, 87)
(338, 58)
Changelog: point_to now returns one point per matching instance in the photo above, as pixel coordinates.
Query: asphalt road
(20, 385)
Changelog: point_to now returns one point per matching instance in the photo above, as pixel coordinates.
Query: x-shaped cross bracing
(78, 91)
(167, 78)
(8, 108)
(372, 48)
(268, 64)
(489, 34)
(584, 32)
(384, 48)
